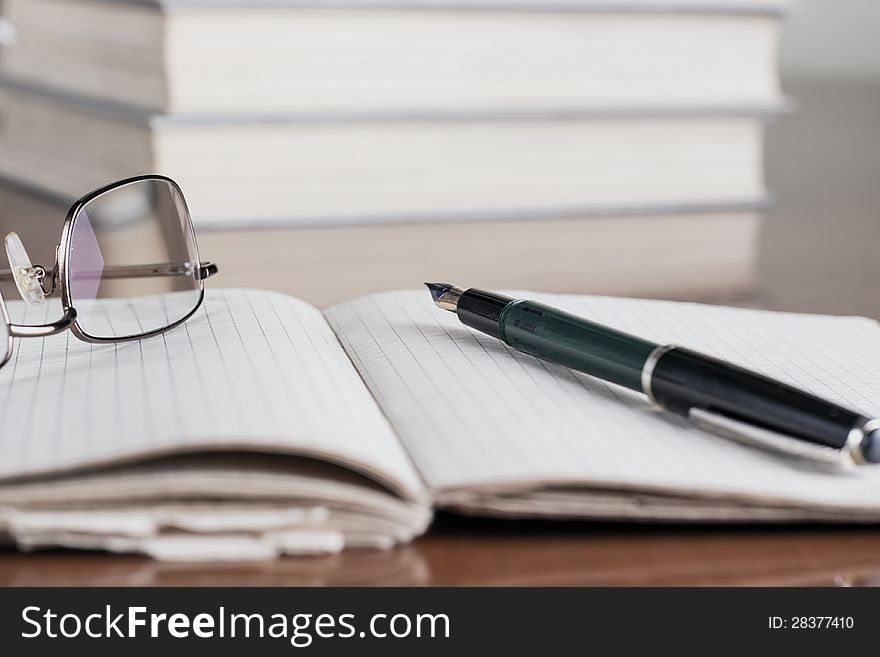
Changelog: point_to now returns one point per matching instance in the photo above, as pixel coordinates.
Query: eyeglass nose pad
(28, 279)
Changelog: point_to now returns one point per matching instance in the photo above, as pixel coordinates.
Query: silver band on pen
(648, 369)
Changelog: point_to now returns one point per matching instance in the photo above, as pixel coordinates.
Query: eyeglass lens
(132, 265)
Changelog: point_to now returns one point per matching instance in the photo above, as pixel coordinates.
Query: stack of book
(612, 147)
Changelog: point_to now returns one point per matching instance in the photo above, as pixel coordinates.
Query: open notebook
(264, 426)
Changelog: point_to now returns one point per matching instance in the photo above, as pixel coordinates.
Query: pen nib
(437, 290)
(445, 295)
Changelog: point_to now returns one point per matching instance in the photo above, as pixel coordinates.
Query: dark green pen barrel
(575, 342)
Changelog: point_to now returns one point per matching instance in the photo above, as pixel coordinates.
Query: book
(321, 172)
(265, 426)
(415, 56)
(695, 255)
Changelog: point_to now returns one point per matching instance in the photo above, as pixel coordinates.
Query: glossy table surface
(480, 553)
(818, 253)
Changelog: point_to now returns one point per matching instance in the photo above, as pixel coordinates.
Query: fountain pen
(714, 394)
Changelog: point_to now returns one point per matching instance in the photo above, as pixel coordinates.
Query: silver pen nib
(445, 295)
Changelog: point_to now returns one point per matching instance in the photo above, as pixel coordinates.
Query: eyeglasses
(127, 267)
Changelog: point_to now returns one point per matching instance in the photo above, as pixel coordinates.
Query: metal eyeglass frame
(58, 279)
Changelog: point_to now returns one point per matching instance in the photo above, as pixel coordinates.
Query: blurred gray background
(832, 40)
(819, 249)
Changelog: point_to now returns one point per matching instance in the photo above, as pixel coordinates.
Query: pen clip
(772, 441)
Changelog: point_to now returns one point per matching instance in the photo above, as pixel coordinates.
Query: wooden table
(819, 253)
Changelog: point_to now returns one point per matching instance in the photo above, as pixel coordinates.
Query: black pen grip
(683, 379)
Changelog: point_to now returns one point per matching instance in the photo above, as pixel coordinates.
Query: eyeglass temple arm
(203, 271)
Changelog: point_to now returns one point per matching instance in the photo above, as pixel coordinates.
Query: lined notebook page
(251, 370)
(476, 414)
